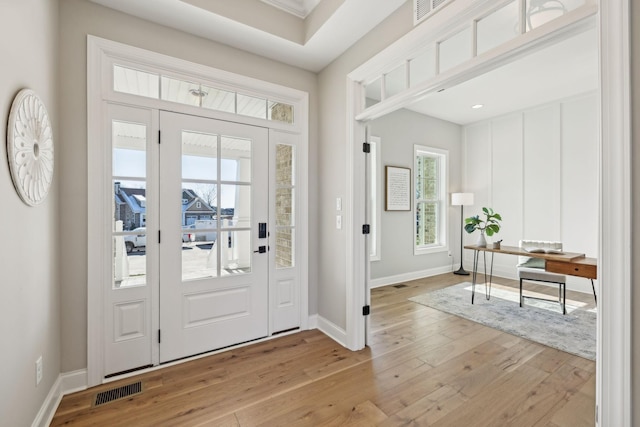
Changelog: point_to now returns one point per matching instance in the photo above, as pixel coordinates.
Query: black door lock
(262, 230)
(261, 250)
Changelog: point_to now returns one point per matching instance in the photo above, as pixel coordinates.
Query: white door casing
(103, 55)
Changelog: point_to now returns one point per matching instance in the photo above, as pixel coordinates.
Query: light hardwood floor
(423, 367)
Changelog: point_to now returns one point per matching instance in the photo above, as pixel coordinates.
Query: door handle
(261, 250)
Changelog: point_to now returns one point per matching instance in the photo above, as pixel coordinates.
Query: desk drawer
(589, 271)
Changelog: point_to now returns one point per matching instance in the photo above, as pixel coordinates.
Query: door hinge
(366, 229)
(158, 236)
(158, 336)
(366, 310)
(366, 147)
(159, 133)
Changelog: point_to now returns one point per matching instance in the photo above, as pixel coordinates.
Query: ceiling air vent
(422, 9)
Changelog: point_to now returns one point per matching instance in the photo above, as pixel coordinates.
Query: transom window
(430, 176)
(152, 85)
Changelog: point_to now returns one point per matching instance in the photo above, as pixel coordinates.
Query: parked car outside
(139, 241)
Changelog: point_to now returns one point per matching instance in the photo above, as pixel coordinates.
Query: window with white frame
(430, 180)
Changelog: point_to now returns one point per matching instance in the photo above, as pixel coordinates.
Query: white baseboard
(49, 406)
(74, 381)
(65, 384)
(333, 331)
(405, 277)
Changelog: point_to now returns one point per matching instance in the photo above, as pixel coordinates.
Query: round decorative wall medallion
(30, 147)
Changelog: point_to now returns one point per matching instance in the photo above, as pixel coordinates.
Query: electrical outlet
(38, 370)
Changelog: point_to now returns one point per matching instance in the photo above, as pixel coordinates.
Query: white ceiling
(351, 20)
(561, 71)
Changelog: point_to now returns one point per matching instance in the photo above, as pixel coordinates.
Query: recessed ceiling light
(475, 107)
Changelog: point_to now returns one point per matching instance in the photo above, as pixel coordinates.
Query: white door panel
(214, 291)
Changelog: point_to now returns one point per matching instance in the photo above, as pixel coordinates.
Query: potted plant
(490, 225)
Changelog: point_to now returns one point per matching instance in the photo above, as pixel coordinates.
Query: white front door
(214, 242)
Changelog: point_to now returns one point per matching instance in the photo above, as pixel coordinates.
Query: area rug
(539, 321)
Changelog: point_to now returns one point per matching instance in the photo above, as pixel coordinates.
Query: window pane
(218, 99)
(181, 91)
(235, 206)
(129, 257)
(200, 257)
(284, 248)
(129, 142)
(395, 81)
(199, 156)
(235, 252)
(427, 176)
(422, 67)
(498, 28)
(373, 93)
(280, 112)
(252, 106)
(284, 207)
(455, 50)
(236, 159)
(426, 223)
(135, 82)
(284, 165)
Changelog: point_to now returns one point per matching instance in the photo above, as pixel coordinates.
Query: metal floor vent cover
(399, 286)
(118, 393)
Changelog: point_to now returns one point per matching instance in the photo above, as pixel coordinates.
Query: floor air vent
(399, 286)
(118, 393)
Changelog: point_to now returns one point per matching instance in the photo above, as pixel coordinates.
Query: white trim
(74, 381)
(354, 214)
(407, 277)
(613, 360)
(50, 405)
(332, 330)
(65, 384)
(101, 54)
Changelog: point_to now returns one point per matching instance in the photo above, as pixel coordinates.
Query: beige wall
(332, 163)
(77, 19)
(635, 110)
(30, 299)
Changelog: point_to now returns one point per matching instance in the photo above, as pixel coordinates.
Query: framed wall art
(398, 188)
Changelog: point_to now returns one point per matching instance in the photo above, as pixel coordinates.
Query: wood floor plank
(422, 367)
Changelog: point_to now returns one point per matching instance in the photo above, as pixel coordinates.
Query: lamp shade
(461, 199)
